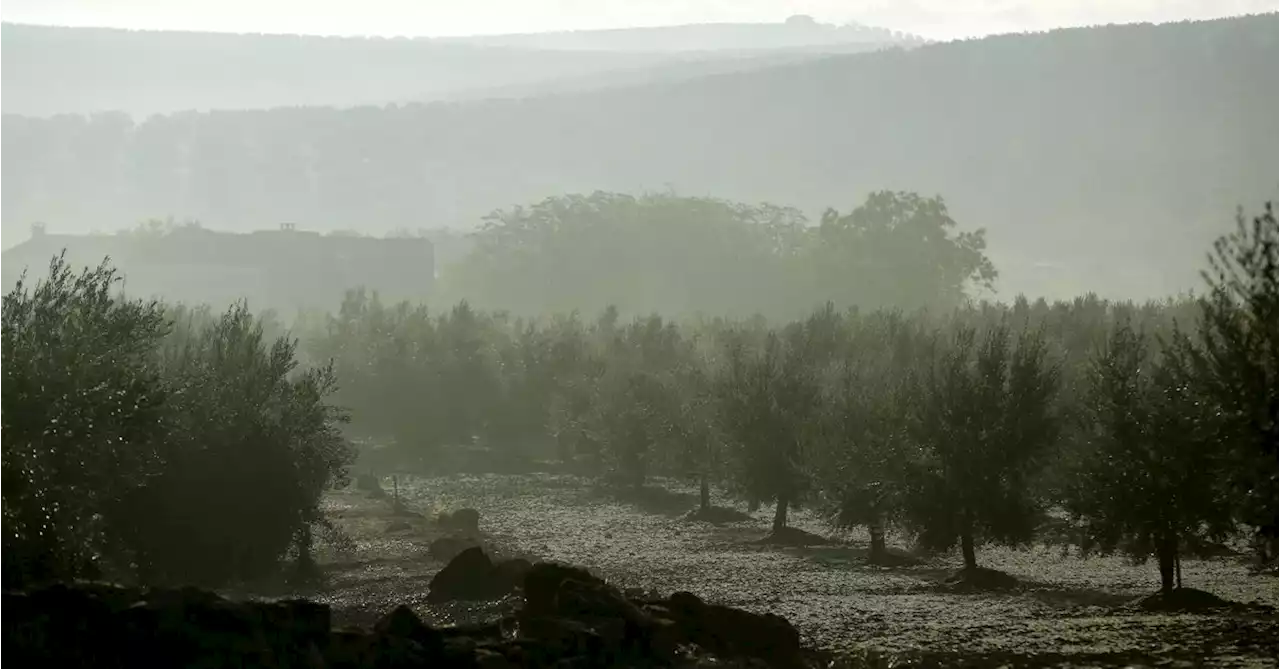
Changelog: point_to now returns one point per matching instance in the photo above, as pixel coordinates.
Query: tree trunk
(966, 549)
(780, 514)
(306, 565)
(704, 494)
(1167, 557)
(876, 529)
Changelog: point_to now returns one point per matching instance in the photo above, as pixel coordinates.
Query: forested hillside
(52, 70)
(1109, 154)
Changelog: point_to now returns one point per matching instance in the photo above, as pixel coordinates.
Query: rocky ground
(1064, 612)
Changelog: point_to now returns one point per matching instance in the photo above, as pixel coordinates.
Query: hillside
(50, 70)
(797, 32)
(1111, 154)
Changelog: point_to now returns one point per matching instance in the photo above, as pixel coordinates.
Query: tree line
(1152, 426)
(168, 443)
(680, 256)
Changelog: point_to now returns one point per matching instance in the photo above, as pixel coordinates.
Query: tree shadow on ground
(932, 658)
(858, 557)
(1069, 597)
(793, 537)
(649, 499)
(718, 515)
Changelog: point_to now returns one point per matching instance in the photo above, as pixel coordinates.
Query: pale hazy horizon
(933, 19)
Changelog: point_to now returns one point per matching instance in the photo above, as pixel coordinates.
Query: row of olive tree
(961, 425)
(163, 444)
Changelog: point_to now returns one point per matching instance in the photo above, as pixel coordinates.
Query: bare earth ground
(1068, 612)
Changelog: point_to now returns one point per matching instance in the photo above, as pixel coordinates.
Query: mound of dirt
(570, 618)
(793, 536)
(980, 579)
(1181, 600)
(716, 515)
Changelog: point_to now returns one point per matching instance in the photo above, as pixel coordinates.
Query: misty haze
(620, 335)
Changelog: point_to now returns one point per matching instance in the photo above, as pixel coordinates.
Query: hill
(797, 32)
(1100, 159)
(49, 70)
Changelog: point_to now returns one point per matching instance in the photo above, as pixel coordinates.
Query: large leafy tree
(656, 252)
(1232, 365)
(984, 418)
(866, 429)
(84, 407)
(1147, 481)
(768, 398)
(899, 249)
(251, 445)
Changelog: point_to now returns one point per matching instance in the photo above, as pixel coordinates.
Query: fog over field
(525, 333)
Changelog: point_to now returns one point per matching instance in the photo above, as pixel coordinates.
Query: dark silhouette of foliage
(899, 249)
(768, 398)
(1230, 366)
(84, 407)
(251, 447)
(1149, 480)
(984, 417)
(164, 446)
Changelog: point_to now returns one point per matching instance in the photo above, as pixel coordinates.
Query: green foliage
(251, 447)
(658, 252)
(866, 435)
(1149, 477)
(177, 446)
(768, 400)
(983, 418)
(1231, 365)
(84, 407)
(684, 255)
(899, 249)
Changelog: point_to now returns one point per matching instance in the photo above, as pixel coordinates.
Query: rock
(470, 575)
(571, 619)
(622, 629)
(543, 581)
(489, 659)
(510, 574)
(733, 632)
(447, 548)
(403, 623)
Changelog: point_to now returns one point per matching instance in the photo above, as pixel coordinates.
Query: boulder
(472, 575)
(732, 632)
(403, 623)
(510, 574)
(447, 548)
(571, 618)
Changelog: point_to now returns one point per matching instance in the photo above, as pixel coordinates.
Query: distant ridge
(50, 70)
(798, 31)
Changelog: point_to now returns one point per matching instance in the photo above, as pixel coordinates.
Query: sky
(934, 19)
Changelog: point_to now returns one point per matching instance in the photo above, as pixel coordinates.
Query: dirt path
(1071, 612)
